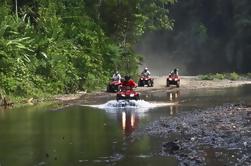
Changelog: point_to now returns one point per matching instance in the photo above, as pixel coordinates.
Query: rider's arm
(133, 84)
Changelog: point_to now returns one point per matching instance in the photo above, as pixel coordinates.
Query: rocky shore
(223, 132)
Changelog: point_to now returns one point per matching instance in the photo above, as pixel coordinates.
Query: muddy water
(80, 135)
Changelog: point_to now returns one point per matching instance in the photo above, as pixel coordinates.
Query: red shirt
(130, 83)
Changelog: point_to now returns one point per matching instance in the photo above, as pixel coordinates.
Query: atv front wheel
(118, 98)
(139, 84)
(108, 88)
(151, 83)
(178, 84)
(118, 88)
(136, 98)
(167, 83)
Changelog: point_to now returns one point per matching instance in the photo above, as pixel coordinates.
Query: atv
(173, 79)
(145, 81)
(113, 86)
(127, 93)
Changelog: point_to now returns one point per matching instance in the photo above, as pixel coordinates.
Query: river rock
(170, 147)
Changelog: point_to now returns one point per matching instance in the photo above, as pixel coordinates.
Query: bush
(249, 75)
(230, 76)
(2, 94)
(219, 76)
(206, 77)
(233, 76)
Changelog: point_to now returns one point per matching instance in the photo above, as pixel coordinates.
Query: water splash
(139, 105)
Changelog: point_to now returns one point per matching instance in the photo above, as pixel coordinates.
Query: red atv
(143, 80)
(173, 79)
(127, 93)
(113, 86)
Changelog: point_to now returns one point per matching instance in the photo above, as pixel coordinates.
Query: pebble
(245, 144)
(193, 139)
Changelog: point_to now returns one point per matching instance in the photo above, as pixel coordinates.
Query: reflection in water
(173, 95)
(123, 120)
(129, 120)
(174, 109)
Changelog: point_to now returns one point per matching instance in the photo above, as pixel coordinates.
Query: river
(83, 135)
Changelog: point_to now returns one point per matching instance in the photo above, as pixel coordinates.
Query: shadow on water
(80, 135)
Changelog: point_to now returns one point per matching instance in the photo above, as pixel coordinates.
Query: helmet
(127, 78)
(117, 72)
(145, 69)
(175, 70)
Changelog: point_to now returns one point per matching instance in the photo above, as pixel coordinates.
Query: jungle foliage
(52, 47)
(215, 33)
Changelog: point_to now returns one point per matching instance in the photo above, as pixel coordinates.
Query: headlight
(176, 79)
(131, 95)
(123, 95)
(170, 79)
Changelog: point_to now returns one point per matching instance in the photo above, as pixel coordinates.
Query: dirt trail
(194, 82)
(187, 83)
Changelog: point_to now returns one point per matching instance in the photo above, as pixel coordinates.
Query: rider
(128, 82)
(146, 72)
(175, 71)
(116, 76)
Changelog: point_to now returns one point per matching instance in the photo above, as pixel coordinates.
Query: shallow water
(83, 135)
